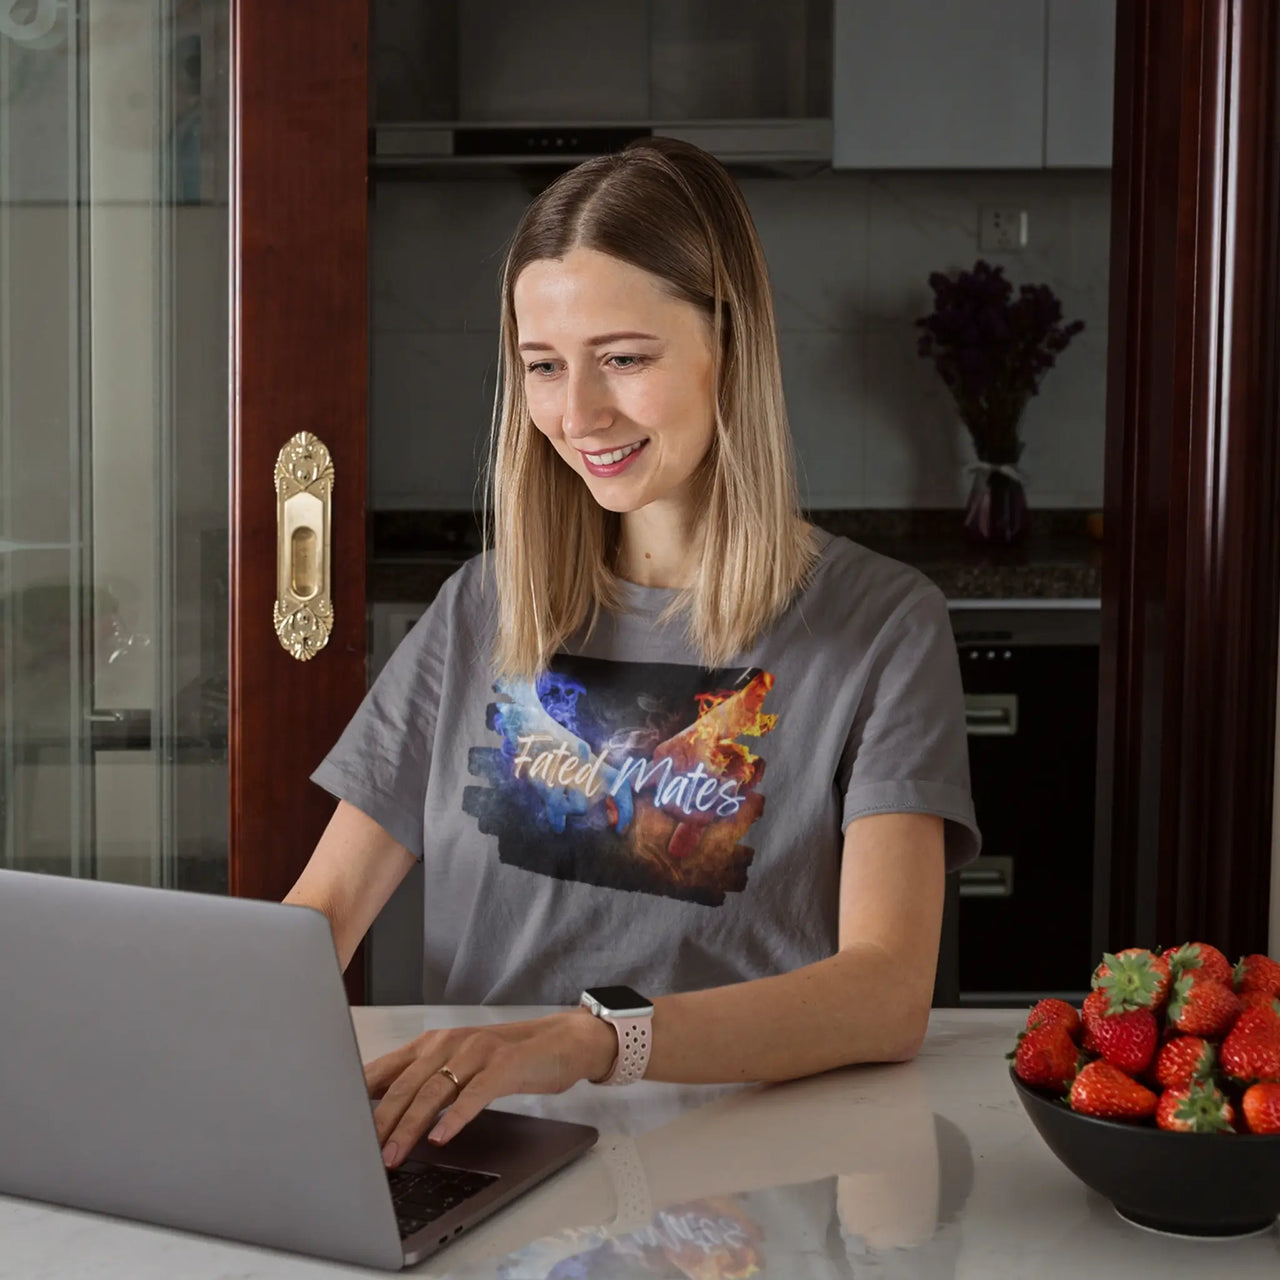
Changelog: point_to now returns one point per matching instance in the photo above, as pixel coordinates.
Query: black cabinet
(1031, 702)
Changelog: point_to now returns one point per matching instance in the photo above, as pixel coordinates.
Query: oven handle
(987, 877)
(991, 714)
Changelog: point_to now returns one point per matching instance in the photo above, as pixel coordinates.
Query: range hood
(783, 145)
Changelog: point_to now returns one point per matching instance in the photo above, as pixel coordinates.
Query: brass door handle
(303, 613)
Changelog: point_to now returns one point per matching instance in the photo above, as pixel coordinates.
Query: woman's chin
(618, 498)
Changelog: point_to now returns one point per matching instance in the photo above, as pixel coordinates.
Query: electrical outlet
(1002, 230)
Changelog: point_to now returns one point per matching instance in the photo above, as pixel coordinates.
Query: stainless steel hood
(784, 145)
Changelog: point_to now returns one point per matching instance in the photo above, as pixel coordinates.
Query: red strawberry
(1096, 1004)
(1257, 973)
(1050, 1012)
(1251, 1051)
(1199, 1107)
(1046, 1057)
(1200, 955)
(1254, 999)
(1105, 1092)
(1127, 1040)
(1182, 1060)
(1135, 978)
(1205, 1008)
(1261, 1106)
(1263, 1019)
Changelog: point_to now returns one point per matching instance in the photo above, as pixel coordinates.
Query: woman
(665, 733)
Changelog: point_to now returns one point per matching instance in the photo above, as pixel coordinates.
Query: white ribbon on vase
(1004, 468)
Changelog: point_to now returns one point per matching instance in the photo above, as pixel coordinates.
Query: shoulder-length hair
(672, 210)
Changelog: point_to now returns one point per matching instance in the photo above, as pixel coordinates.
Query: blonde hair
(672, 210)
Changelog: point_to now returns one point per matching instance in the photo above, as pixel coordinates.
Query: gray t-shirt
(633, 817)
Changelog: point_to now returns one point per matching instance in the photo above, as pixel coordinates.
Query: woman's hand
(541, 1055)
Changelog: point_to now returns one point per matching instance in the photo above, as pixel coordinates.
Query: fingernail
(440, 1133)
(389, 1153)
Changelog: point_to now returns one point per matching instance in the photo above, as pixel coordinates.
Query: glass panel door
(114, 285)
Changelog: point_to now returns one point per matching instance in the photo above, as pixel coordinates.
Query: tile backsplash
(849, 256)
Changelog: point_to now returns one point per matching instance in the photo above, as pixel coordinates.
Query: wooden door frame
(299, 362)
(1191, 561)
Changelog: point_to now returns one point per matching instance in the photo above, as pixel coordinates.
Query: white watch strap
(634, 1040)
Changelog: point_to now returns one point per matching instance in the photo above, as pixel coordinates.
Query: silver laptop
(189, 1060)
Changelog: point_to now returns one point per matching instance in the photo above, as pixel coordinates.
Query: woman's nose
(586, 403)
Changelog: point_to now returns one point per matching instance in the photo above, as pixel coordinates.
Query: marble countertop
(925, 1169)
(412, 553)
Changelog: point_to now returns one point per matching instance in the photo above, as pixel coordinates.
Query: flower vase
(997, 508)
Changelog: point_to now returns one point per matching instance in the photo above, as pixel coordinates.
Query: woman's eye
(635, 362)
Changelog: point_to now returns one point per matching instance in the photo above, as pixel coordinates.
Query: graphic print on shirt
(627, 775)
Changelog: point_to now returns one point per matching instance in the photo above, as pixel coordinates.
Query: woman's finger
(477, 1094)
(468, 1059)
(379, 1073)
(434, 1093)
(403, 1092)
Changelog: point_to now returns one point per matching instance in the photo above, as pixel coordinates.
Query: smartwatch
(631, 1016)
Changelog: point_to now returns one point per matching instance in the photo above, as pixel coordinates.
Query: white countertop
(924, 1169)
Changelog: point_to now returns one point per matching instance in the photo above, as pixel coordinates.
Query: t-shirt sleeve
(907, 750)
(382, 760)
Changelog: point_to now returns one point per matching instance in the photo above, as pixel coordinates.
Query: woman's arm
(868, 1003)
(355, 868)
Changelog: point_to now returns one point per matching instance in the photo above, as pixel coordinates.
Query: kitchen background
(874, 145)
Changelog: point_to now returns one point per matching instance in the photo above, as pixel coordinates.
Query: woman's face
(617, 375)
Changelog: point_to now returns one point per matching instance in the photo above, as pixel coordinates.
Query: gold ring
(444, 1071)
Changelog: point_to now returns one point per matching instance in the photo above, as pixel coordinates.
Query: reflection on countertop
(413, 552)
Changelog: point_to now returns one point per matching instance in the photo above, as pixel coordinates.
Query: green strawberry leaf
(1131, 984)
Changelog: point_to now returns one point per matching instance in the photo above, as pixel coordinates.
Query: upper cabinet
(479, 82)
(1079, 83)
(972, 84)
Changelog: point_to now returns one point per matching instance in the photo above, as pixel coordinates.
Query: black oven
(1031, 708)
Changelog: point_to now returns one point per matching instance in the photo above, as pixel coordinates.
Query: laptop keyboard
(422, 1194)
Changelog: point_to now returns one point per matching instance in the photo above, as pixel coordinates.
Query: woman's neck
(658, 546)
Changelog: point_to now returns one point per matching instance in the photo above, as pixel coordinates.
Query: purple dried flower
(993, 350)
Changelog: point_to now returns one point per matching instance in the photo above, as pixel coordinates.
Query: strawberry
(1095, 1006)
(1255, 999)
(1127, 1040)
(1049, 1012)
(1261, 1106)
(1251, 1051)
(1202, 1008)
(1135, 979)
(1200, 955)
(1257, 973)
(1199, 1107)
(1105, 1092)
(1046, 1057)
(1182, 1060)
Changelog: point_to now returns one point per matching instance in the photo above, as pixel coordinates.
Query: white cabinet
(1079, 85)
(972, 84)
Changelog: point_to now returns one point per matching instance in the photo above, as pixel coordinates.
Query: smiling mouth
(614, 455)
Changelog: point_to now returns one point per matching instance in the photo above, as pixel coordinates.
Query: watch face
(620, 1000)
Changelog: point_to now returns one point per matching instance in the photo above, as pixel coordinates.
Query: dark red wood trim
(299, 362)
(1191, 576)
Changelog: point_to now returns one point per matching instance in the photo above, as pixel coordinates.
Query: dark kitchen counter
(413, 552)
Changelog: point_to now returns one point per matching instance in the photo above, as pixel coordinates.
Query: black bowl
(1195, 1184)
